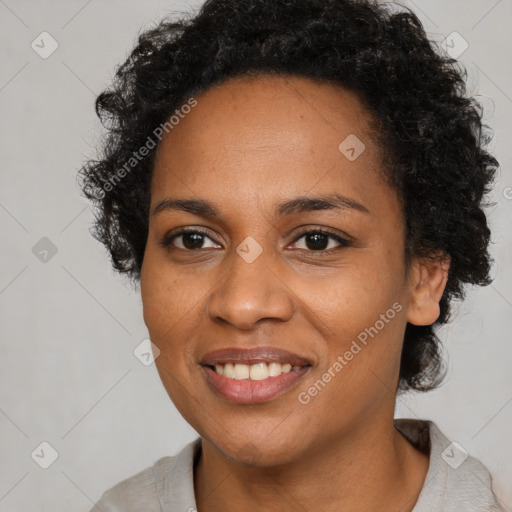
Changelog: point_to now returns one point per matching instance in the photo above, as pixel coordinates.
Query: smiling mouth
(258, 371)
(255, 375)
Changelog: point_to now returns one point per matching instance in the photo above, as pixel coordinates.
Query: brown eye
(320, 240)
(190, 240)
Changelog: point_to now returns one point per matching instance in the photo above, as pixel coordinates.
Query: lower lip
(248, 391)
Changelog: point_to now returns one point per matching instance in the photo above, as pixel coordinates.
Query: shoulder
(138, 492)
(168, 480)
(455, 480)
(466, 480)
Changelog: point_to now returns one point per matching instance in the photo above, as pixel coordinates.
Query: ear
(427, 281)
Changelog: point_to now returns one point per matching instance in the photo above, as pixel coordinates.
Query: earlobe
(428, 278)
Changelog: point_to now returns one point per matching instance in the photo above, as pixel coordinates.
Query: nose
(249, 293)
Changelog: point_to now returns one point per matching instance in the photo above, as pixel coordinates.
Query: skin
(249, 144)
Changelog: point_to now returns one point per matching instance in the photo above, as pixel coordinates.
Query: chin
(258, 452)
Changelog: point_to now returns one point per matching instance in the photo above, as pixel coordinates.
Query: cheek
(167, 300)
(173, 310)
(360, 316)
(347, 302)
(166, 313)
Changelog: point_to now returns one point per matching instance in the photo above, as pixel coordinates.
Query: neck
(372, 468)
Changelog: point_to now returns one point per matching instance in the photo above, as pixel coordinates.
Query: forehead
(261, 108)
(269, 134)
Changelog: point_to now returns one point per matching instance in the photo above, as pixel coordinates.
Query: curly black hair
(432, 133)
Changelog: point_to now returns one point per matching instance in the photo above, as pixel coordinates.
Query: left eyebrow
(330, 202)
(294, 206)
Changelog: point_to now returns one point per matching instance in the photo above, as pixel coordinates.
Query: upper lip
(251, 356)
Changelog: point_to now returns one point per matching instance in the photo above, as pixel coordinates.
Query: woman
(298, 188)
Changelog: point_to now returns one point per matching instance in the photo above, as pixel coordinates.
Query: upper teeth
(258, 371)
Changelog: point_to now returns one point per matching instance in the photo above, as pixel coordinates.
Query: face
(293, 254)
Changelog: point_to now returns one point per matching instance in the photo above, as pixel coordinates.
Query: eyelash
(167, 240)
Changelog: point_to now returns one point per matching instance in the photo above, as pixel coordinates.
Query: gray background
(69, 325)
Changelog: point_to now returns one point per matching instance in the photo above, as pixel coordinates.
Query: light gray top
(455, 481)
